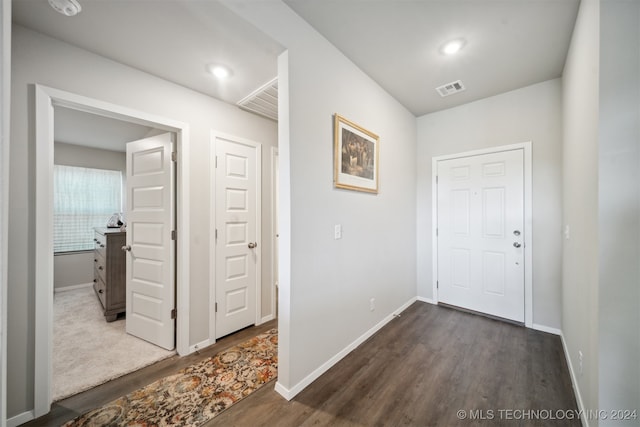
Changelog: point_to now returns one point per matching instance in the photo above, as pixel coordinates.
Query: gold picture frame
(356, 158)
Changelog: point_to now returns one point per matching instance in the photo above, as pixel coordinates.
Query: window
(83, 198)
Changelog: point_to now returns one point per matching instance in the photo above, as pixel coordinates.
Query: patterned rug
(195, 394)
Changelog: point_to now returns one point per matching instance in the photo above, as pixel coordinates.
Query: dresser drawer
(100, 266)
(100, 288)
(100, 244)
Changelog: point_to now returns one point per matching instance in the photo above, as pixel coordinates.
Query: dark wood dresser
(109, 274)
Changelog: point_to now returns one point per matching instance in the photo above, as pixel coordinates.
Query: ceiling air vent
(450, 88)
(263, 101)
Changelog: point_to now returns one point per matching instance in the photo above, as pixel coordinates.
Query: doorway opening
(46, 99)
(90, 189)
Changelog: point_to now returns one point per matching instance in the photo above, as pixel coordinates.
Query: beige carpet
(88, 351)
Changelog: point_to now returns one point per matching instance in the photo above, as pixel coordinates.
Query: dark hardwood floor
(419, 370)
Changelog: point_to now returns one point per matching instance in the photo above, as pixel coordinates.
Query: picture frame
(356, 156)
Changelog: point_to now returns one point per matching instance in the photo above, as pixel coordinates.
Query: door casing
(528, 220)
(46, 99)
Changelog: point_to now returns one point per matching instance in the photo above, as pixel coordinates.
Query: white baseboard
(265, 319)
(72, 287)
(25, 417)
(548, 329)
(283, 391)
(292, 392)
(200, 345)
(574, 382)
(427, 300)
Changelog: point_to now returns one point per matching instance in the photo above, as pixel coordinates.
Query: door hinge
(437, 285)
(174, 235)
(436, 231)
(174, 313)
(436, 179)
(216, 161)
(216, 307)
(174, 156)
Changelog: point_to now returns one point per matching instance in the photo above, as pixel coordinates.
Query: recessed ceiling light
(452, 47)
(220, 71)
(66, 7)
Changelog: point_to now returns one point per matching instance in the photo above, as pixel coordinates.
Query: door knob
(516, 245)
(253, 245)
(126, 248)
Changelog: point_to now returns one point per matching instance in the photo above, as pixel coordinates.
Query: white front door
(151, 249)
(480, 240)
(238, 248)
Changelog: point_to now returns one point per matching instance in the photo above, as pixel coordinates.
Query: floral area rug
(195, 394)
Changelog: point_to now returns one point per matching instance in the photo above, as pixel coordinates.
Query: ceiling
(90, 130)
(171, 39)
(508, 43)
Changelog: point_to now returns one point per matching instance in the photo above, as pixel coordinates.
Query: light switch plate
(337, 231)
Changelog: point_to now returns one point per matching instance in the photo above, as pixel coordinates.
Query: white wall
(619, 207)
(580, 202)
(39, 59)
(328, 283)
(89, 157)
(531, 114)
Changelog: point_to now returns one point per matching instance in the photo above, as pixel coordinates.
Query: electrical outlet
(337, 232)
(372, 304)
(580, 362)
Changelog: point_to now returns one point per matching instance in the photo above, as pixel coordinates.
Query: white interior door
(237, 269)
(480, 233)
(151, 249)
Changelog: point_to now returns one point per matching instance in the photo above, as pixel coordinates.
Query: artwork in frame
(355, 156)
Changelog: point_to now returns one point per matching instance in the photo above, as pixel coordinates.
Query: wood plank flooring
(419, 370)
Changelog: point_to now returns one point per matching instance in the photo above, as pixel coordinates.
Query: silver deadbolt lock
(516, 232)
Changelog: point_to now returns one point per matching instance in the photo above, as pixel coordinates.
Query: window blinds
(83, 198)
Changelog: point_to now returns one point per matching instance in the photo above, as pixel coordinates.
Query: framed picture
(355, 156)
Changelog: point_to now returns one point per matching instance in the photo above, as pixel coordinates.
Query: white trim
(43, 253)
(274, 230)
(19, 419)
(267, 318)
(547, 329)
(5, 123)
(214, 135)
(199, 346)
(528, 219)
(46, 98)
(427, 300)
(71, 288)
(292, 392)
(574, 382)
(212, 238)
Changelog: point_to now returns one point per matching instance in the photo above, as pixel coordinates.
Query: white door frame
(528, 219)
(46, 99)
(213, 223)
(5, 91)
(274, 231)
